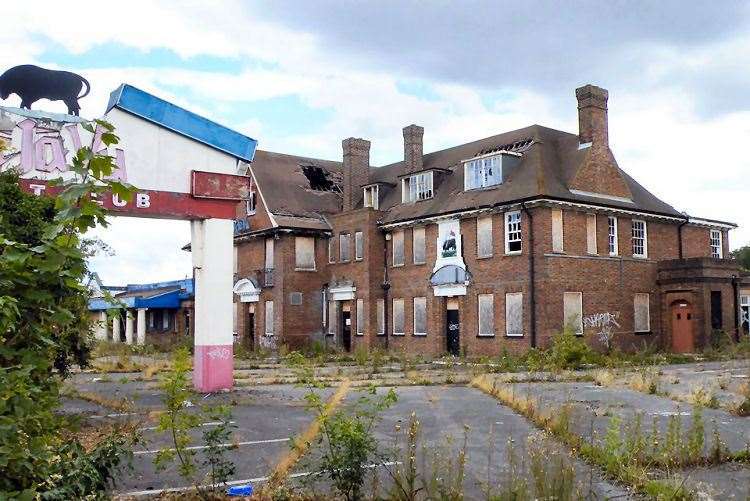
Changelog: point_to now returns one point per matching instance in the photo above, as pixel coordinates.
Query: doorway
(682, 327)
(250, 330)
(453, 332)
(346, 329)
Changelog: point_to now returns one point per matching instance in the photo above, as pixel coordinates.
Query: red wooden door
(682, 328)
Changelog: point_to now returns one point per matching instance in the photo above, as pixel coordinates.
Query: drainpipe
(736, 290)
(386, 285)
(679, 234)
(532, 296)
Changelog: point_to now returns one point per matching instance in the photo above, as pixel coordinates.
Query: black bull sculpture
(32, 83)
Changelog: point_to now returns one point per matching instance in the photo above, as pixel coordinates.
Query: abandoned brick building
(492, 245)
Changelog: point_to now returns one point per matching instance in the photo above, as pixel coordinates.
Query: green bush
(569, 351)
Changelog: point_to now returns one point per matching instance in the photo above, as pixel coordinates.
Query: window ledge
(488, 336)
(642, 333)
(485, 257)
(514, 253)
(397, 265)
(636, 256)
(420, 334)
(359, 259)
(305, 269)
(398, 334)
(420, 264)
(360, 334)
(514, 335)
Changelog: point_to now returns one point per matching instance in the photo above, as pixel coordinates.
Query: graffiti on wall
(604, 323)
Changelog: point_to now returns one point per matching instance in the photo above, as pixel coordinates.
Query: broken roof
(548, 163)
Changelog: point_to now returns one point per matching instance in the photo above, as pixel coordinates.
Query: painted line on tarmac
(120, 414)
(302, 441)
(209, 423)
(257, 480)
(200, 447)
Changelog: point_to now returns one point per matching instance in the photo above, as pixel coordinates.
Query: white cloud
(657, 132)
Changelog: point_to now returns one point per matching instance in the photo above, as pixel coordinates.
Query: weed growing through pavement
(179, 422)
(742, 408)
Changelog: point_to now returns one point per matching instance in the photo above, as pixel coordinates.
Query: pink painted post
(212, 367)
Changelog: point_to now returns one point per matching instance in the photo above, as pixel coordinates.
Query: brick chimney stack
(413, 147)
(356, 170)
(592, 115)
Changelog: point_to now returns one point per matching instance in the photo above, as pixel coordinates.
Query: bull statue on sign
(32, 83)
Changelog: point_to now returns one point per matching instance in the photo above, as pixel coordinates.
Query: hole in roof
(320, 179)
(517, 147)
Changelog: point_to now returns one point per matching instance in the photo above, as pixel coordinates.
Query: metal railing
(267, 275)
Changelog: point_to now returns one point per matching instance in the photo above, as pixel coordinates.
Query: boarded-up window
(332, 317)
(359, 245)
(304, 252)
(573, 312)
(344, 247)
(269, 252)
(484, 236)
(641, 314)
(418, 245)
(398, 317)
(591, 233)
(514, 314)
(398, 248)
(381, 317)
(235, 317)
(420, 316)
(557, 230)
(269, 318)
(331, 250)
(486, 305)
(360, 317)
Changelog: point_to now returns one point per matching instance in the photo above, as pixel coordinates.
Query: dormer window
(416, 187)
(371, 196)
(483, 172)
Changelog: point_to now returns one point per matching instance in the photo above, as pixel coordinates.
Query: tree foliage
(45, 329)
(742, 255)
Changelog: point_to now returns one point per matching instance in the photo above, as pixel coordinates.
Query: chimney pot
(592, 115)
(413, 147)
(356, 167)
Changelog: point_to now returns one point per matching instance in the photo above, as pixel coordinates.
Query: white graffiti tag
(604, 322)
(218, 353)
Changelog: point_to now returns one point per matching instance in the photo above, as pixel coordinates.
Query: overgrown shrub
(45, 329)
(569, 351)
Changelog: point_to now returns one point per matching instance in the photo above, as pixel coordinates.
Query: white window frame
(643, 238)
(370, 196)
(481, 321)
(417, 187)
(648, 310)
(558, 237)
(591, 245)
(576, 300)
(422, 301)
(360, 317)
(513, 229)
(381, 316)
(345, 247)
(508, 295)
(418, 245)
(484, 237)
(716, 242)
(400, 303)
(612, 237)
(251, 206)
(299, 241)
(268, 310)
(398, 236)
(359, 246)
(483, 173)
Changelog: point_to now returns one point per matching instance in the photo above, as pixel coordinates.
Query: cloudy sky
(300, 76)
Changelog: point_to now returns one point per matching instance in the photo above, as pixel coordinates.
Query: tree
(45, 328)
(742, 255)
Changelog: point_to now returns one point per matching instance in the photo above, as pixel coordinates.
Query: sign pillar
(212, 250)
